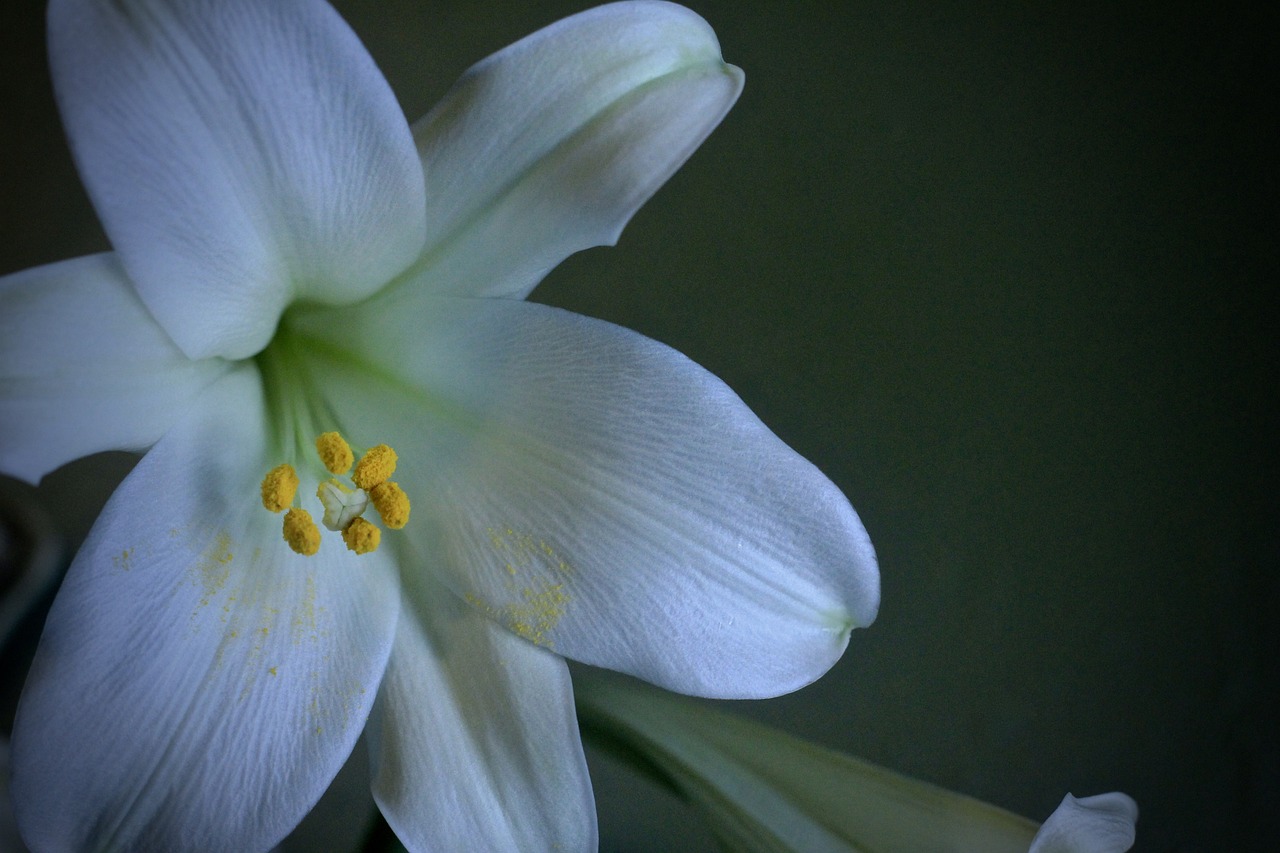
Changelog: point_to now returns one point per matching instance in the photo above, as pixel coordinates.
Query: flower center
(344, 503)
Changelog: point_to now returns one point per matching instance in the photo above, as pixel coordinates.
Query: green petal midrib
(299, 408)
(296, 409)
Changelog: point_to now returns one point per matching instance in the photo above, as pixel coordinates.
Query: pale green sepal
(763, 790)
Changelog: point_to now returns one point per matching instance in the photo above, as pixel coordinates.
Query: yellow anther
(375, 467)
(361, 536)
(335, 453)
(301, 532)
(279, 487)
(392, 504)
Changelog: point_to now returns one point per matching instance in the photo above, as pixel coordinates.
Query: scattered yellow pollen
(392, 504)
(534, 617)
(301, 532)
(361, 536)
(335, 453)
(375, 467)
(279, 487)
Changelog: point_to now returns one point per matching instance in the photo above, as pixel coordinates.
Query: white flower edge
(1103, 823)
(551, 145)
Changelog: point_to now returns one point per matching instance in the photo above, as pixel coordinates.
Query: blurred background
(1001, 272)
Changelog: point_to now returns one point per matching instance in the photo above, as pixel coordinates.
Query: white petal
(473, 738)
(601, 494)
(1104, 823)
(197, 685)
(549, 146)
(240, 154)
(84, 367)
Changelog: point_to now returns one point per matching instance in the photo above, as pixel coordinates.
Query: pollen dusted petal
(335, 453)
(301, 532)
(279, 487)
(375, 467)
(472, 720)
(153, 719)
(361, 536)
(392, 504)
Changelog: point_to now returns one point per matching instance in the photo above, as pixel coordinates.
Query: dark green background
(1002, 274)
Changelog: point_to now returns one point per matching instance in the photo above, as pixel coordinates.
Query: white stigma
(342, 503)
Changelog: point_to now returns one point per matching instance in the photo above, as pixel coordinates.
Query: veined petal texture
(240, 154)
(602, 495)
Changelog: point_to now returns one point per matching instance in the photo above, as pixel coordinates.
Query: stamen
(361, 536)
(375, 467)
(342, 504)
(279, 487)
(301, 532)
(335, 453)
(392, 504)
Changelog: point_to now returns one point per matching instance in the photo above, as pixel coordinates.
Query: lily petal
(600, 494)
(1104, 823)
(198, 685)
(84, 367)
(240, 154)
(474, 740)
(551, 145)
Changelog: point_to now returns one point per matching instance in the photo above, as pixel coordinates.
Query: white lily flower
(291, 260)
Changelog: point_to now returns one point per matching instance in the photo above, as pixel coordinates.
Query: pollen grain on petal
(334, 452)
(376, 466)
(361, 536)
(279, 487)
(301, 532)
(392, 504)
